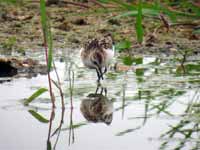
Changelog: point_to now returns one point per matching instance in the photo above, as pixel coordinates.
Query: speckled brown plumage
(97, 53)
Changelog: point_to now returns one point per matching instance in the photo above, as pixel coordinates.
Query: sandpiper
(97, 54)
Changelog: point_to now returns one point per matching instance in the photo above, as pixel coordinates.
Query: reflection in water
(150, 103)
(71, 89)
(59, 128)
(97, 108)
(50, 128)
(71, 128)
(124, 86)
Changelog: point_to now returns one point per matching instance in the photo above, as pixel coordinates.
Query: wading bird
(97, 54)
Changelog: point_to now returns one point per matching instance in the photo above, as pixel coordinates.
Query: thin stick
(60, 87)
(49, 76)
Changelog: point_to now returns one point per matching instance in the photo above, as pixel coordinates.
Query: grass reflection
(159, 92)
(187, 129)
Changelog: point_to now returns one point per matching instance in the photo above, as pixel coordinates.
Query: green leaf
(123, 45)
(38, 116)
(138, 26)
(35, 95)
(128, 60)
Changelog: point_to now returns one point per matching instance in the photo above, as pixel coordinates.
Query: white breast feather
(109, 56)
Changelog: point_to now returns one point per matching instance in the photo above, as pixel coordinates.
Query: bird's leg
(105, 70)
(102, 90)
(101, 74)
(98, 75)
(105, 90)
(97, 89)
(98, 70)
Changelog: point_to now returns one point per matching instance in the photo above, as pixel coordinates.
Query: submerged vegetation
(153, 81)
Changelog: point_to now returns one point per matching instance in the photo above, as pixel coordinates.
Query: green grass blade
(75, 126)
(124, 5)
(127, 131)
(150, 12)
(157, 4)
(120, 3)
(38, 116)
(138, 26)
(104, 1)
(134, 13)
(127, 14)
(43, 15)
(35, 95)
(47, 33)
(50, 46)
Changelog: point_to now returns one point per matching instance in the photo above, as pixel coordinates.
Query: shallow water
(143, 104)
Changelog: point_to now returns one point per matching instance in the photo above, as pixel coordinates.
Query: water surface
(152, 107)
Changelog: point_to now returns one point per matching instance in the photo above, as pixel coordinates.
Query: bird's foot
(98, 82)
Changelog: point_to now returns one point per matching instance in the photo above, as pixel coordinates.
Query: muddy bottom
(72, 26)
(153, 106)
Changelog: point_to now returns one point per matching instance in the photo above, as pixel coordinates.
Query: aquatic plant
(186, 130)
(48, 45)
(155, 10)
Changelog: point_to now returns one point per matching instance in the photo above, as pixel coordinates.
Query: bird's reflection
(97, 107)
